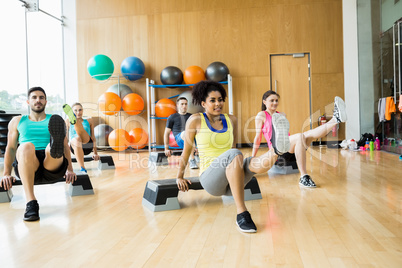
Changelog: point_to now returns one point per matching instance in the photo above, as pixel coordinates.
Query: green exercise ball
(100, 67)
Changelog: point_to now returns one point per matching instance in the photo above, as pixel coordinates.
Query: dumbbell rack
(151, 101)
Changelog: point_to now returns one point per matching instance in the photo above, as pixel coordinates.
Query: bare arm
(259, 122)
(70, 175)
(9, 156)
(192, 126)
(233, 120)
(166, 141)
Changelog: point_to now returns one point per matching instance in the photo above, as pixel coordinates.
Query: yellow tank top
(211, 143)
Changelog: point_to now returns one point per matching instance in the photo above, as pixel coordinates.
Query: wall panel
(241, 34)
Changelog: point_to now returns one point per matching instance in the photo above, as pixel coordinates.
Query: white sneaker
(280, 133)
(340, 110)
(193, 164)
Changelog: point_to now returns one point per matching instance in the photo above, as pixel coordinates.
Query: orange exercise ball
(133, 104)
(138, 138)
(172, 140)
(119, 139)
(165, 107)
(109, 103)
(193, 75)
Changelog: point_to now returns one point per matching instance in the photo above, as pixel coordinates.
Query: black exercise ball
(171, 75)
(217, 71)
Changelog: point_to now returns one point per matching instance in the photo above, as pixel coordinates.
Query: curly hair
(265, 96)
(201, 90)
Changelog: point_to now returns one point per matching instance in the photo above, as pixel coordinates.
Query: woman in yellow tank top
(223, 170)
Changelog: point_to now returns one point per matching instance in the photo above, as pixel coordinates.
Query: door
(290, 78)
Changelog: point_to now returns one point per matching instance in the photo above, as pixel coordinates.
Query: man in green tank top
(38, 146)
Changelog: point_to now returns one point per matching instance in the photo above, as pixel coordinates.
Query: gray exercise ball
(217, 71)
(192, 109)
(124, 90)
(171, 75)
(101, 133)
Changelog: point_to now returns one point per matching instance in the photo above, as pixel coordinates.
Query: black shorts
(42, 175)
(86, 147)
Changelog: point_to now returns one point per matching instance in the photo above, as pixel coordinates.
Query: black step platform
(82, 186)
(161, 195)
(105, 161)
(160, 159)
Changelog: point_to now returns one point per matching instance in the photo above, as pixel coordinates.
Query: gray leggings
(214, 179)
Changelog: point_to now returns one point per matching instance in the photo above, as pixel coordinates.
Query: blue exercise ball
(171, 75)
(132, 68)
(217, 71)
(100, 67)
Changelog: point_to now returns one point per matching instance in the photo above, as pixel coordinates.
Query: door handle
(276, 85)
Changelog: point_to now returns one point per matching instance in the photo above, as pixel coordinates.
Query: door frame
(295, 55)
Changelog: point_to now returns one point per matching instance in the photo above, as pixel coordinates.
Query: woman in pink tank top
(298, 142)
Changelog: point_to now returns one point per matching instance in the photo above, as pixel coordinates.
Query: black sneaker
(340, 110)
(57, 130)
(280, 133)
(245, 222)
(306, 181)
(32, 211)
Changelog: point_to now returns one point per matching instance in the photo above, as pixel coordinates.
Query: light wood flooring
(353, 219)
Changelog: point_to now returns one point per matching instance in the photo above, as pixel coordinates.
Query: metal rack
(151, 116)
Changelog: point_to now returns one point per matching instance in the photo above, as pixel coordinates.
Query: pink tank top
(267, 128)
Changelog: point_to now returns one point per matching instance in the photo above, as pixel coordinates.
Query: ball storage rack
(151, 102)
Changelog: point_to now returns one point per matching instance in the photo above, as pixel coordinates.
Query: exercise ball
(119, 139)
(165, 107)
(193, 75)
(139, 138)
(172, 140)
(217, 71)
(132, 68)
(124, 90)
(100, 67)
(109, 103)
(101, 133)
(171, 75)
(133, 104)
(191, 108)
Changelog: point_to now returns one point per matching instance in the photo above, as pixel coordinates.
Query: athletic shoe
(70, 114)
(306, 181)
(83, 169)
(57, 130)
(340, 110)
(193, 164)
(245, 222)
(280, 133)
(32, 211)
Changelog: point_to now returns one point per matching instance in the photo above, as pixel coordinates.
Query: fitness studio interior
(319, 155)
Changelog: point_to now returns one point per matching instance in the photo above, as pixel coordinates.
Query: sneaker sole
(57, 129)
(70, 114)
(246, 231)
(302, 185)
(341, 108)
(32, 218)
(281, 128)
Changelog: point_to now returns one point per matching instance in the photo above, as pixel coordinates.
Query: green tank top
(35, 132)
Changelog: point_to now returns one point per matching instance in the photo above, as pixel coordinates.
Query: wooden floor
(353, 219)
